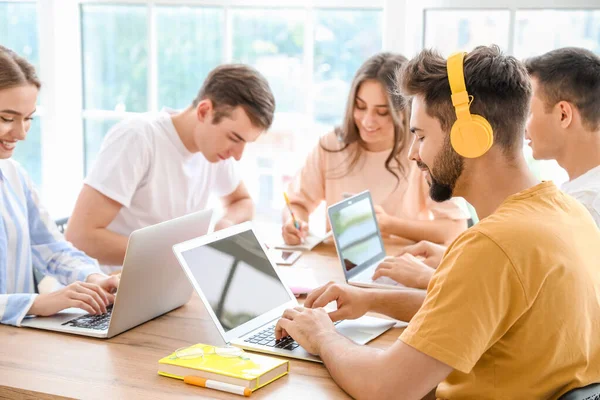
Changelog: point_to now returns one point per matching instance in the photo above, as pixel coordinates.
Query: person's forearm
(343, 358)
(384, 374)
(239, 211)
(300, 213)
(441, 231)
(398, 304)
(105, 246)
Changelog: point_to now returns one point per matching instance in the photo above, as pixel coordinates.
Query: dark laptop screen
(237, 278)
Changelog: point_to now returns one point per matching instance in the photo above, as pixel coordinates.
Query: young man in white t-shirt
(155, 167)
(564, 123)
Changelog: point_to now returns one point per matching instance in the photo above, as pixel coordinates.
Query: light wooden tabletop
(42, 364)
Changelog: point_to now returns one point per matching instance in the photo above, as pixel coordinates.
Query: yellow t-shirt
(514, 306)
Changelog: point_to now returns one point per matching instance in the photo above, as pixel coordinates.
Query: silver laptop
(358, 241)
(245, 296)
(152, 282)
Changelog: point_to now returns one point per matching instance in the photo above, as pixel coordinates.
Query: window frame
(414, 13)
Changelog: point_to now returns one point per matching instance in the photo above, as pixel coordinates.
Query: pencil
(289, 206)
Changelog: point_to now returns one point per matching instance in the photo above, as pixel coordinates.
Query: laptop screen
(237, 278)
(356, 233)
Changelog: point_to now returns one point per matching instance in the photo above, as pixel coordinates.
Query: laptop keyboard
(366, 277)
(98, 322)
(266, 337)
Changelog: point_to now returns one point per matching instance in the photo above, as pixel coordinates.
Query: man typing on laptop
(231, 272)
(510, 310)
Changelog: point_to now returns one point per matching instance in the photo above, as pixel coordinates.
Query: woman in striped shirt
(28, 237)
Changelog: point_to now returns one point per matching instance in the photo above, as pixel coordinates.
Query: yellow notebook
(252, 370)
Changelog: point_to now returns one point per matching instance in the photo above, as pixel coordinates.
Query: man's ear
(566, 111)
(204, 110)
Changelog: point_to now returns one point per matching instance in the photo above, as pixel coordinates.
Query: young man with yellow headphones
(563, 125)
(512, 309)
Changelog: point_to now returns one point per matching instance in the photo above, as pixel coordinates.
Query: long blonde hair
(381, 67)
(16, 71)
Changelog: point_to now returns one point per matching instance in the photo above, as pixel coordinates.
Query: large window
(462, 30)
(539, 31)
(115, 58)
(189, 44)
(340, 49)
(115, 67)
(19, 32)
(272, 41)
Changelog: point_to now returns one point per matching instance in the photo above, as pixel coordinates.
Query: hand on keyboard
(87, 296)
(311, 328)
(266, 337)
(98, 322)
(406, 270)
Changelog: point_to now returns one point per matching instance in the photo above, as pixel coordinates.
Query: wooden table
(42, 364)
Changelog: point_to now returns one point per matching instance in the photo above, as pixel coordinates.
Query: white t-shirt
(144, 165)
(586, 189)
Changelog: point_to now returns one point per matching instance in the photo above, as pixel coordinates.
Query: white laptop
(245, 296)
(358, 241)
(152, 282)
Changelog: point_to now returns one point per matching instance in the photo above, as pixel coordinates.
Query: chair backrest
(589, 392)
(37, 278)
(37, 275)
(62, 224)
(474, 218)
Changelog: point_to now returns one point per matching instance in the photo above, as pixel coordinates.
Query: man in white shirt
(155, 167)
(564, 122)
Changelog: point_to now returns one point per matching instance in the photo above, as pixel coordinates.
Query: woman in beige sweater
(370, 151)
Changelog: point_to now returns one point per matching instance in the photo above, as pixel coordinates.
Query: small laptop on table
(358, 241)
(244, 295)
(152, 282)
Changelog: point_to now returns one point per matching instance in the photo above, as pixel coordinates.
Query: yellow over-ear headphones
(471, 135)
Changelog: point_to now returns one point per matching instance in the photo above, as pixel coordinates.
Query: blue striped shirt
(30, 239)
